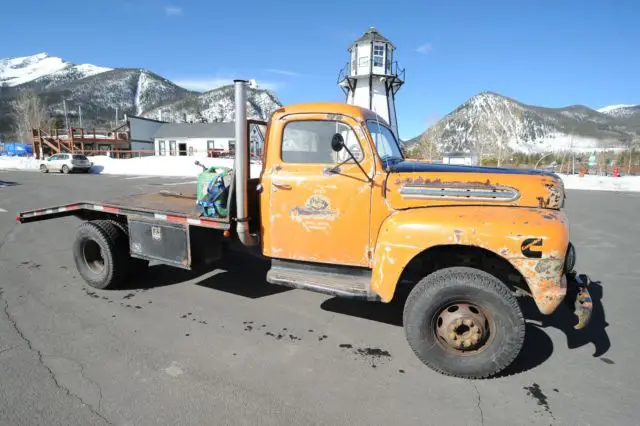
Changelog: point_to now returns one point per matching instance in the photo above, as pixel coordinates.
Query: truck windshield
(385, 142)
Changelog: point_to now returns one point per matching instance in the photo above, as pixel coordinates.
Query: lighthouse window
(378, 55)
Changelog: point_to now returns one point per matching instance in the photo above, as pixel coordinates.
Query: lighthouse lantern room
(372, 78)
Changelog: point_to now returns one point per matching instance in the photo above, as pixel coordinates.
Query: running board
(342, 281)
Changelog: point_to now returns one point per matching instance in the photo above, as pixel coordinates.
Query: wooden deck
(160, 202)
(77, 140)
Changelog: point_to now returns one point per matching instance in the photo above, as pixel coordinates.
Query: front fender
(534, 241)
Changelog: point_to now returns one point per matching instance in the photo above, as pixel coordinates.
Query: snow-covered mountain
(99, 92)
(132, 91)
(489, 121)
(216, 105)
(43, 69)
(621, 110)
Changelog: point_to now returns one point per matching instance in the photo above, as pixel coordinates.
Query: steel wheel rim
(92, 254)
(463, 328)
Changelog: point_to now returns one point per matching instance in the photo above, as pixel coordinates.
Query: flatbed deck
(164, 205)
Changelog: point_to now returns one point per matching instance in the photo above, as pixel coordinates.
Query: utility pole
(573, 158)
(66, 117)
(116, 116)
(80, 114)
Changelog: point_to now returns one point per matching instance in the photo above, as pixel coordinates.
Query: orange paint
(383, 220)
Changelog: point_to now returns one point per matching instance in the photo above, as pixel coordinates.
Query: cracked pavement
(227, 348)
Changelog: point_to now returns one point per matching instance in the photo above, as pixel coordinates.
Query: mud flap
(579, 299)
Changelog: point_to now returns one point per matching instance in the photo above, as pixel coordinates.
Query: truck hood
(419, 184)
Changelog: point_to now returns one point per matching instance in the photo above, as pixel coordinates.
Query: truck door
(317, 214)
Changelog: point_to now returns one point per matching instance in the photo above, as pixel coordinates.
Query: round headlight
(570, 259)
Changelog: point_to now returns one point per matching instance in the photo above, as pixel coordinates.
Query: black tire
(133, 263)
(43, 168)
(65, 169)
(97, 253)
(428, 302)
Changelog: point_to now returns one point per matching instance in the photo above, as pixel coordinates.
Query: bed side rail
(81, 208)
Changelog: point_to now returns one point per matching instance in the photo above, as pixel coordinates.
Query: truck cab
(338, 209)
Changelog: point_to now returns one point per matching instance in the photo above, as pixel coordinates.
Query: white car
(66, 163)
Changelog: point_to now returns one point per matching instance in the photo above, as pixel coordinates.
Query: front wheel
(43, 168)
(464, 322)
(65, 169)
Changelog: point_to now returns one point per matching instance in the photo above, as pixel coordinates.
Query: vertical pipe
(242, 165)
(66, 117)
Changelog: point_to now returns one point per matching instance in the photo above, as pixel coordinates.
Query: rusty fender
(533, 240)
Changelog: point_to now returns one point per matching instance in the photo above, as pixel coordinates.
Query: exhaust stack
(242, 165)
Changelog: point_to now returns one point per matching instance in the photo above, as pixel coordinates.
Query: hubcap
(463, 328)
(93, 256)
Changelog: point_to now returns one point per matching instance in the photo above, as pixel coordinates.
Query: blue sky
(543, 52)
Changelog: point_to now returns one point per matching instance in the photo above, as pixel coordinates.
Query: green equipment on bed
(213, 191)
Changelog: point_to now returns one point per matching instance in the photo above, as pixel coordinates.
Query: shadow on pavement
(96, 170)
(387, 313)
(5, 183)
(243, 276)
(564, 320)
(537, 347)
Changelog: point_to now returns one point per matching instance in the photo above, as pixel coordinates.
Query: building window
(162, 149)
(211, 145)
(190, 150)
(172, 147)
(364, 61)
(309, 141)
(378, 55)
(232, 145)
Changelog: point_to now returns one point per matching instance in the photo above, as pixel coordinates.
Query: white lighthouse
(372, 78)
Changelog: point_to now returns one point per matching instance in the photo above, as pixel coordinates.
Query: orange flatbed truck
(337, 209)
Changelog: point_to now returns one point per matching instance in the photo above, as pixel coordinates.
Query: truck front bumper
(579, 299)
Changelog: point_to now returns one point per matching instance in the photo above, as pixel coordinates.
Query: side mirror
(337, 142)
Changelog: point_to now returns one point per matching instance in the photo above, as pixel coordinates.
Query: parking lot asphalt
(227, 348)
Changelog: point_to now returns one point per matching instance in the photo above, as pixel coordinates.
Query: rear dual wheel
(101, 254)
(464, 322)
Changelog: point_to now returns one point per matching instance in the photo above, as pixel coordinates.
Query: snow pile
(185, 167)
(145, 166)
(19, 163)
(161, 166)
(602, 183)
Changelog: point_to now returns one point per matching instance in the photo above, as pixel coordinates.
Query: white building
(371, 79)
(460, 158)
(194, 139)
(204, 139)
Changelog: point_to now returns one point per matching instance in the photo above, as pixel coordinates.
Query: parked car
(66, 163)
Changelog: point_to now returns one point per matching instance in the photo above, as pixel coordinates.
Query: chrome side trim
(501, 194)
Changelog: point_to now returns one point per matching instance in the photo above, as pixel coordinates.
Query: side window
(162, 148)
(53, 157)
(378, 54)
(309, 141)
(172, 147)
(211, 145)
